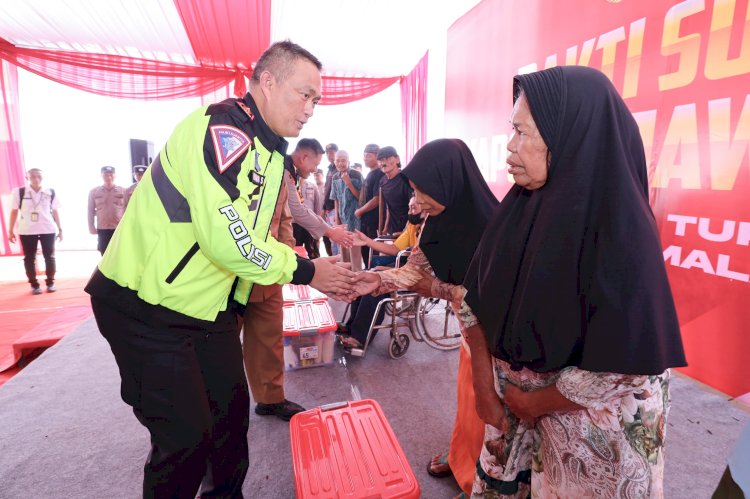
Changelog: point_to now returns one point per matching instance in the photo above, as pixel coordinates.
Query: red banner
(683, 68)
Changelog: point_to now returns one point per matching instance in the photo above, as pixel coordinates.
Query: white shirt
(40, 203)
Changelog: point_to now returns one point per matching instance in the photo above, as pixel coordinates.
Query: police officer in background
(138, 171)
(195, 237)
(106, 205)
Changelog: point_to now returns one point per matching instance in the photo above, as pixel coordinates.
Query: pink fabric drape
(414, 108)
(132, 78)
(342, 89)
(118, 76)
(230, 35)
(11, 157)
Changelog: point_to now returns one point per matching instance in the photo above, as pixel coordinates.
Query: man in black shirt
(369, 199)
(395, 190)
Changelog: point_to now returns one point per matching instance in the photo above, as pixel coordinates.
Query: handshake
(340, 283)
(335, 279)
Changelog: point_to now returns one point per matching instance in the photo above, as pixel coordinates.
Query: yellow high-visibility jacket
(200, 217)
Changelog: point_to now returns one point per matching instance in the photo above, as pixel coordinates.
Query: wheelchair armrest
(374, 252)
(402, 254)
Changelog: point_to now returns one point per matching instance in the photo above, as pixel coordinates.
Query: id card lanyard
(34, 211)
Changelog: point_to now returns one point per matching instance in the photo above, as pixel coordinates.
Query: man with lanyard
(195, 237)
(395, 190)
(369, 199)
(106, 205)
(328, 207)
(39, 221)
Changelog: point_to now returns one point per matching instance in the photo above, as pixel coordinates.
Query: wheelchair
(410, 316)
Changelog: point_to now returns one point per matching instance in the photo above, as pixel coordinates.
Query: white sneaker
(36, 291)
(51, 288)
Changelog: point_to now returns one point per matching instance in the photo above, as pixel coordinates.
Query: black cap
(332, 146)
(387, 152)
(139, 169)
(371, 148)
(108, 169)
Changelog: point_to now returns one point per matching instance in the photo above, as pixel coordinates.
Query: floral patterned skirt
(612, 449)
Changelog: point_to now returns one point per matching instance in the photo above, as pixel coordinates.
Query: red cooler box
(348, 450)
(309, 328)
(301, 292)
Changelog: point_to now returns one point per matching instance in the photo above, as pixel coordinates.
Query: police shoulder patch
(229, 143)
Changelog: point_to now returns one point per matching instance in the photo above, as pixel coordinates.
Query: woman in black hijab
(570, 317)
(450, 188)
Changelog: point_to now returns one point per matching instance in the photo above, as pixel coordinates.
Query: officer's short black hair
(278, 60)
(311, 145)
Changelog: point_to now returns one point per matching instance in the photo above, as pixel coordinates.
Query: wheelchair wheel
(399, 345)
(437, 324)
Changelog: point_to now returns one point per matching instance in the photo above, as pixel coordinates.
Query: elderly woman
(570, 318)
(449, 187)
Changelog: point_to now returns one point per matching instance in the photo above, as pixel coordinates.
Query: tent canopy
(353, 38)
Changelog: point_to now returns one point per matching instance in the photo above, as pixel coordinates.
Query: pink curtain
(340, 89)
(118, 76)
(132, 78)
(414, 108)
(11, 157)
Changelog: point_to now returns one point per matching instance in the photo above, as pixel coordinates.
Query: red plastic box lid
(306, 318)
(348, 450)
(301, 292)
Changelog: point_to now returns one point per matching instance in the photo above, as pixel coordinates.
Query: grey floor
(64, 432)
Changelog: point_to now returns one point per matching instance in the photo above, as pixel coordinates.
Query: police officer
(106, 205)
(195, 237)
(138, 171)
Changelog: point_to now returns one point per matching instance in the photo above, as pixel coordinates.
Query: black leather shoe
(282, 410)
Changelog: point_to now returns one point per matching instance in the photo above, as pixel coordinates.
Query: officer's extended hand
(331, 278)
(340, 235)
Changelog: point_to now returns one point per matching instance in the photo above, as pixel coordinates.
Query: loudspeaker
(141, 152)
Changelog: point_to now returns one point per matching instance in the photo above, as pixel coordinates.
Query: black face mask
(414, 219)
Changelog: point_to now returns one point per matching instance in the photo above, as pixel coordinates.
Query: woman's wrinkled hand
(365, 283)
(491, 409)
(520, 403)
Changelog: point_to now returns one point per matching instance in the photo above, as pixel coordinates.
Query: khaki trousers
(263, 344)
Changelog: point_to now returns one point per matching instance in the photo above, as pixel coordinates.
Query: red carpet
(29, 323)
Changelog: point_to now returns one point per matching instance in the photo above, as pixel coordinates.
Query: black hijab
(446, 170)
(572, 273)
